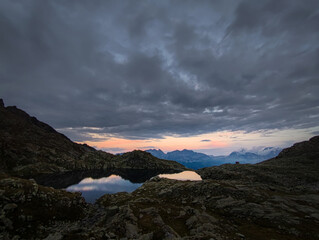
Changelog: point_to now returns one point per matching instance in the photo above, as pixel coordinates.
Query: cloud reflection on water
(92, 189)
(183, 176)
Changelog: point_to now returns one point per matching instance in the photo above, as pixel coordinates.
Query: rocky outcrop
(27, 209)
(308, 149)
(29, 148)
(217, 209)
(161, 209)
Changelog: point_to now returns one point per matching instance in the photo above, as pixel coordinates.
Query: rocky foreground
(277, 199)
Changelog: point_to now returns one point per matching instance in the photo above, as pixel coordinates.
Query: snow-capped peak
(261, 151)
(268, 150)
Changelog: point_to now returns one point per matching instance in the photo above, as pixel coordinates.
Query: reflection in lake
(64, 180)
(183, 176)
(92, 189)
(95, 183)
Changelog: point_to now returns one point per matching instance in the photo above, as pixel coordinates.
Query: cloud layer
(157, 68)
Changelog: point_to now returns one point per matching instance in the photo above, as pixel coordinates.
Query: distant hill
(197, 160)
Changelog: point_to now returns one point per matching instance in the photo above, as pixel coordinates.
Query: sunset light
(218, 143)
(159, 119)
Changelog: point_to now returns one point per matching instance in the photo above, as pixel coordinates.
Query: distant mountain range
(197, 160)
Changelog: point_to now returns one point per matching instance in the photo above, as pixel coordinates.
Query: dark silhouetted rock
(29, 148)
(1, 103)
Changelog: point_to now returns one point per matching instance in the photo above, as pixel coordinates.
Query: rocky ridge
(29, 147)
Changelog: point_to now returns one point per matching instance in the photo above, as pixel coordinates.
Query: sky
(212, 76)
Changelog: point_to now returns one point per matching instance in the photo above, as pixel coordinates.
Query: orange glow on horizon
(223, 142)
(168, 143)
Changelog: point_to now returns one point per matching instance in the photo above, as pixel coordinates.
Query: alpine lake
(94, 184)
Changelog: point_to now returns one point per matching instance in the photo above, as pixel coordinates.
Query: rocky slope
(29, 209)
(29, 148)
(295, 168)
(276, 199)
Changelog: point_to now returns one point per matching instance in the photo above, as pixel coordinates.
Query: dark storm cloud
(205, 140)
(156, 68)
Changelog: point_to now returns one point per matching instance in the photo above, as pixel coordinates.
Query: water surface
(183, 176)
(92, 189)
(95, 183)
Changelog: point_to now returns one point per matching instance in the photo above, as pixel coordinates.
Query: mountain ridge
(195, 160)
(29, 147)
